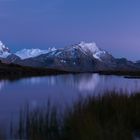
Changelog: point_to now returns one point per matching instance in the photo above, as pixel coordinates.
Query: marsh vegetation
(111, 116)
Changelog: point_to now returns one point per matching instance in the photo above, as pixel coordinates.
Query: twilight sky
(113, 24)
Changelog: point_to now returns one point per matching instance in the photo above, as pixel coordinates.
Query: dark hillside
(13, 71)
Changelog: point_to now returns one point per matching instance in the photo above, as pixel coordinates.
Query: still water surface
(61, 90)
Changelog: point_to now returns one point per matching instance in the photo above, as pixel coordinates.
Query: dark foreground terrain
(13, 71)
(114, 116)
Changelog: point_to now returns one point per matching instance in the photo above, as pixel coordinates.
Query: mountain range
(81, 57)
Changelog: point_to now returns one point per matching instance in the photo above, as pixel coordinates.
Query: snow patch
(74, 63)
(62, 61)
(52, 49)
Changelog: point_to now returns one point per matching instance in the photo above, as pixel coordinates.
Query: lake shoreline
(13, 71)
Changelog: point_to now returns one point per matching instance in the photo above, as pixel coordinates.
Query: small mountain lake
(60, 90)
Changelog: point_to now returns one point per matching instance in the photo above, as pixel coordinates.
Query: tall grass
(2, 135)
(114, 116)
(39, 124)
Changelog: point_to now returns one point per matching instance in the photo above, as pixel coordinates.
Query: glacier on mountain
(28, 53)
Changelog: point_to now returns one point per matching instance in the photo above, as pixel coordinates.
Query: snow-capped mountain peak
(4, 51)
(92, 49)
(24, 53)
(28, 53)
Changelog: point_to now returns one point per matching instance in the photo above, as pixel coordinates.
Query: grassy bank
(111, 117)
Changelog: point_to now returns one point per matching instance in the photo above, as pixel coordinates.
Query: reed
(112, 116)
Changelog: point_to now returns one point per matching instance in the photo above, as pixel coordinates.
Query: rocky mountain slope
(82, 57)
